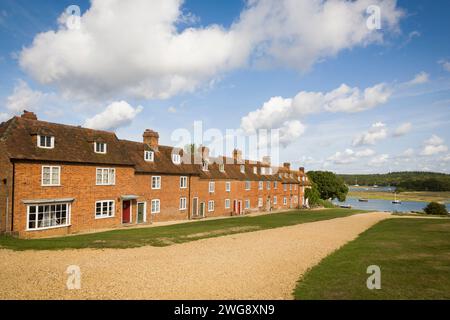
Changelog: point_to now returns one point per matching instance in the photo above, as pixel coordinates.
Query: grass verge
(413, 254)
(179, 233)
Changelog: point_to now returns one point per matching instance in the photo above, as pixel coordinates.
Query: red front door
(126, 212)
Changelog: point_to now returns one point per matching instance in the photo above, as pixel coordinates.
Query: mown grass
(413, 254)
(179, 233)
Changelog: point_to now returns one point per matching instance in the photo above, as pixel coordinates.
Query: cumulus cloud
(445, 64)
(434, 145)
(403, 129)
(408, 153)
(24, 98)
(3, 117)
(279, 112)
(420, 78)
(379, 160)
(118, 114)
(377, 132)
(135, 48)
(349, 156)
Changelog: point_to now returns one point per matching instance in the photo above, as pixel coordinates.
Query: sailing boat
(356, 183)
(395, 199)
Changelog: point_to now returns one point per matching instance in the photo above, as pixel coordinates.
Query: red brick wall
(5, 190)
(79, 182)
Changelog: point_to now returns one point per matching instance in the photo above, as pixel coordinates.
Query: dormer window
(221, 167)
(176, 158)
(270, 171)
(205, 166)
(149, 156)
(242, 168)
(263, 170)
(46, 142)
(100, 147)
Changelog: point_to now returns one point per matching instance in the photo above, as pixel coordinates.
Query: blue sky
(224, 60)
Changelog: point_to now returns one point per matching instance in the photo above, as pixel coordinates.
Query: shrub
(435, 209)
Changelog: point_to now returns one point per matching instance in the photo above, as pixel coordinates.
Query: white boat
(395, 201)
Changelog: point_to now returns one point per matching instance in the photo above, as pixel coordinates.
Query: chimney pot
(237, 155)
(29, 115)
(151, 138)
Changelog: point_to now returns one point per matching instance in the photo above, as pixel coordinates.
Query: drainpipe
(189, 199)
(12, 205)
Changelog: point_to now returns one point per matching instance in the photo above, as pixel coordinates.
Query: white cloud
(279, 111)
(377, 132)
(24, 98)
(408, 152)
(3, 116)
(379, 160)
(291, 131)
(172, 110)
(365, 153)
(420, 78)
(403, 129)
(134, 47)
(117, 114)
(434, 145)
(445, 64)
(349, 156)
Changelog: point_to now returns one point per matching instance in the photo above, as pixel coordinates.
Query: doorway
(126, 211)
(194, 212)
(141, 212)
(202, 209)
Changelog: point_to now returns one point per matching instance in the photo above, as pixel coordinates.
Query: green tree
(313, 195)
(435, 209)
(329, 185)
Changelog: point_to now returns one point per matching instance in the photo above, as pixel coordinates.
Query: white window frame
(212, 187)
(156, 182)
(260, 202)
(102, 215)
(285, 187)
(275, 184)
(51, 184)
(183, 182)
(111, 174)
(149, 156)
(248, 185)
(227, 203)
(263, 170)
(152, 206)
(183, 203)
(242, 168)
(285, 201)
(268, 185)
(260, 185)
(275, 200)
(221, 167)
(211, 205)
(96, 144)
(52, 142)
(227, 186)
(176, 158)
(255, 170)
(205, 166)
(247, 204)
(37, 205)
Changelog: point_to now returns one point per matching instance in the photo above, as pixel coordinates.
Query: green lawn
(167, 235)
(413, 254)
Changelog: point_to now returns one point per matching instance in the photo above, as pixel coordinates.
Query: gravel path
(257, 265)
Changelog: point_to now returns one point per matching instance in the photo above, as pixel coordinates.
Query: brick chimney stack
(287, 165)
(29, 115)
(237, 156)
(151, 138)
(204, 152)
(302, 170)
(267, 160)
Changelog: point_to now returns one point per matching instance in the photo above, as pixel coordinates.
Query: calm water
(385, 205)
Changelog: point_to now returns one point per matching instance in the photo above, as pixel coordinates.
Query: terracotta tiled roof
(76, 144)
(72, 144)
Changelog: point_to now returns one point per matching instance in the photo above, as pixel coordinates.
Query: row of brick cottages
(58, 179)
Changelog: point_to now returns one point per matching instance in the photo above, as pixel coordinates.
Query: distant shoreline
(419, 196)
